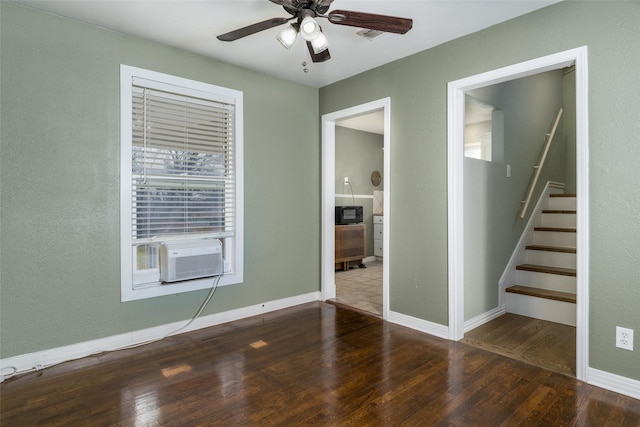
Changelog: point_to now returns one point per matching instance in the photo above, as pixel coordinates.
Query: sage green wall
(417, 86)
(358, 153)
(60, 183)
(569, 128)
(491, 200)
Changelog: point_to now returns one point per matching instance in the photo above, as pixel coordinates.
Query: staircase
(545, 283)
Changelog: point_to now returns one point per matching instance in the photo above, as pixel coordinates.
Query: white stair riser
(540, 308)
(554, 238)
(553, 259)
(562, 203)
(554, 282)
(558, 220)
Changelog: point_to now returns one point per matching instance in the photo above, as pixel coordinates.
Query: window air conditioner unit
(190, 260)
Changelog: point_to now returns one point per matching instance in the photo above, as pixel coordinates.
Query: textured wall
(358, 154)
(59, 201)
(417, 86)
(569, 129)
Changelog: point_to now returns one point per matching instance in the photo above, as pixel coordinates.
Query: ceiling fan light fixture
(287, 37)
(320, 43)
(309, 29)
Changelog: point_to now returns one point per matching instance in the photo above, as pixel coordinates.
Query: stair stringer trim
(518, 255)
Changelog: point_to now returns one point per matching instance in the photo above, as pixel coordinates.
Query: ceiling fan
(304, 13)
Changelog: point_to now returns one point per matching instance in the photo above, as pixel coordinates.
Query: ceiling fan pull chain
(305, 58)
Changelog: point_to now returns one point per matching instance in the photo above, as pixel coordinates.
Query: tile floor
(361, 288)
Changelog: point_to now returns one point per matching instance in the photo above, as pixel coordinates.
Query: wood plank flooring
(543, 293)
(314, 364)
(544, 344)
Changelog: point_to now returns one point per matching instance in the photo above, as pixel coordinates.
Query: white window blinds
(183, 178)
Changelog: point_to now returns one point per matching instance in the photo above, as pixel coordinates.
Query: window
(477, 128)
(479, 147)
(181, 176)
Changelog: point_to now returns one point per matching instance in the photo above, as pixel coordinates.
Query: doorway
(456, 104)
(359, 168)
(329, 123)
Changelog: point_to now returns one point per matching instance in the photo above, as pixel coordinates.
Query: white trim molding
(455, 144)
(327, 279)
(355, 196)
(45, 358)
(421, 325)
(483, 318)
(613, 382)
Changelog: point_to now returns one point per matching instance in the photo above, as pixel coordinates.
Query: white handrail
(537, 169)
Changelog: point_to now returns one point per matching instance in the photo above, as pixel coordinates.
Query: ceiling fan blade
(318, 57)
(385, 23)
(252, 29)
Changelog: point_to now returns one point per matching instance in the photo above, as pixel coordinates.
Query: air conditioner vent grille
(190, 260)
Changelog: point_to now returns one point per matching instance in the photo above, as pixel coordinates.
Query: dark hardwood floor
(315, 364)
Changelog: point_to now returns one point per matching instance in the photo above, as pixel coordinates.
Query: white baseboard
(42, 359)
(623, 385)
(484, 318)
(421, 325)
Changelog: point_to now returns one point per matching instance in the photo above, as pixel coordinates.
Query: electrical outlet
(624, 338)
(346, 180)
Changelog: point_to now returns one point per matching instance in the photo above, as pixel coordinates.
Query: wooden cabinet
(350, 245)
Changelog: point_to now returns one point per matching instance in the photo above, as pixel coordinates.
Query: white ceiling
(371, 122)
(194, 24)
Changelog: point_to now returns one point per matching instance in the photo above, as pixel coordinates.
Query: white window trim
(127, 291)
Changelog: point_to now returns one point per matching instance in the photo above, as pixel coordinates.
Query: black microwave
(348, 215)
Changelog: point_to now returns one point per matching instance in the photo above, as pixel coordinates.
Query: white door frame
(455, 154)
(328, 283)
